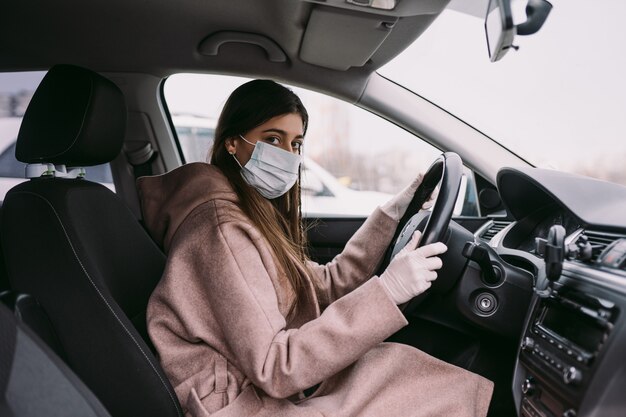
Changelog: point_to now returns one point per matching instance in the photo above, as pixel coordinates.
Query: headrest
(75, 118)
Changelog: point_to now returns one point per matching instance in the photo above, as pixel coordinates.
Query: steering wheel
(447, 171)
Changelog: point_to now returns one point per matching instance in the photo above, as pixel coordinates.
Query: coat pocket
(195, 407)
(247, 403)
(205, 391)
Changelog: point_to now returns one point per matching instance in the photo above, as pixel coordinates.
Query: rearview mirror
(500, 27)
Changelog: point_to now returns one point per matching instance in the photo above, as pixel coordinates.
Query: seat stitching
(176, 406)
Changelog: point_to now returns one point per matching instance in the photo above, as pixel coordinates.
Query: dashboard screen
(575, 327)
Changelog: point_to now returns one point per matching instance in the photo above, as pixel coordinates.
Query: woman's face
(285, 131)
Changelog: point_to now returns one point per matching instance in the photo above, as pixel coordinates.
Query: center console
(561, 347)
(572, 350)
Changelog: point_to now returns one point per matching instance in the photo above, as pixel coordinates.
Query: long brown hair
(279, 219)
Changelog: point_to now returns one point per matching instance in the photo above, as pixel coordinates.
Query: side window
(195, 135)
(9, 166)
(16, 91)
(353, 161)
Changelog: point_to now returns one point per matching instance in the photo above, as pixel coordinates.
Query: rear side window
(16, 91)
(9, 166)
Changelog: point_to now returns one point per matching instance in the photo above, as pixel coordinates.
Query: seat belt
(140, 154)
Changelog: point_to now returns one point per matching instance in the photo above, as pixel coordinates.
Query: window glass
(353, 160)
(558, 101)
(16, 91)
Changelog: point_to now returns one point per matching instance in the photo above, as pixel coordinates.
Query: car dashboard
(570, 358)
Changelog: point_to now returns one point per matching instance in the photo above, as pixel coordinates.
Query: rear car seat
(34, 381)
(76, 247)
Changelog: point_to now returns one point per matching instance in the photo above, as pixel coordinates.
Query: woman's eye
(273, 140)
(296, 146)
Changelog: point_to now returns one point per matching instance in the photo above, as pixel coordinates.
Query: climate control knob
(572, 376)
(528, 386)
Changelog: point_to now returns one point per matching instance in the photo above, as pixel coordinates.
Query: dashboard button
(528, 343)
(572, 376)
(528, 386)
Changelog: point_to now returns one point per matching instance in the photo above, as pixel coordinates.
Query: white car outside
(324, 196)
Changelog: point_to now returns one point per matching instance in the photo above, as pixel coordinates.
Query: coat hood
(167, 200)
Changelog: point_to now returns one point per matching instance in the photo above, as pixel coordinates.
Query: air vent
(599, 242)
(493, 229)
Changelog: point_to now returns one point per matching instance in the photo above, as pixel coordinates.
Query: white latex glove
(396, 207)
(411, 272)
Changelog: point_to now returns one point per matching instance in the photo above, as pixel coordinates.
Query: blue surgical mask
(271, 171)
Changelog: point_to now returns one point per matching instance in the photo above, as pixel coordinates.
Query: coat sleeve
(236, 287)
(358, 261)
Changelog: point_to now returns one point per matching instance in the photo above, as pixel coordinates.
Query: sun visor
(340, 39)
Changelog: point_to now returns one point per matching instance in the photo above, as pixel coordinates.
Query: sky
(20, 81)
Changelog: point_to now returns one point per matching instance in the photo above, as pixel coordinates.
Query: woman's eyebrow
(281, 132)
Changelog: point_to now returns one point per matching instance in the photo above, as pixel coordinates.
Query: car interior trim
(546, 186)
(212, 43)
(401, 9)
(336, 28)
(594, 276)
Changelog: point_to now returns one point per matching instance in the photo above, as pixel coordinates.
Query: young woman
(245, 324)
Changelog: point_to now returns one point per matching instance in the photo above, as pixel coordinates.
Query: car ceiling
(162, 37)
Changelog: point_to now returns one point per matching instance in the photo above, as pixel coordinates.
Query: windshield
(558, 102)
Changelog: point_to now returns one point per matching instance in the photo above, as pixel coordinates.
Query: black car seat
(29, 312)
(76, 247)
(34, 381)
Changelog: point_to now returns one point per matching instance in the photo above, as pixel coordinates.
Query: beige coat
(217, 319)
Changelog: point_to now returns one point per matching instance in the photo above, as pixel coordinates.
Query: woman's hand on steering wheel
(397, 206)
(412, 270)
(445, 176)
